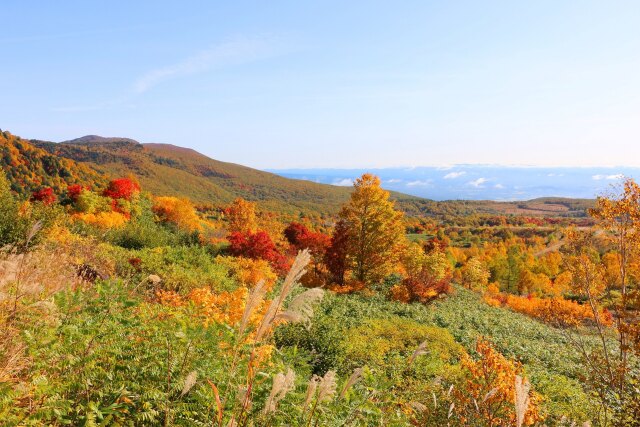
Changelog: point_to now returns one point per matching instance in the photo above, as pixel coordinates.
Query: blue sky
(282, 84)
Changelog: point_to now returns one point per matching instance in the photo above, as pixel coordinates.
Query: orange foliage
(489, 389)
(553, 310)
(349, 287)
(180, 212)
(241, 216)
(223, 307)
(249, 271)
(400, 293)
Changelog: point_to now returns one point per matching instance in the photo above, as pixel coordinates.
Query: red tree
(74, 191)
(300, 237)
(295, 232)
(44, 195)
(122, 188)
(336, 254)
(257, 246)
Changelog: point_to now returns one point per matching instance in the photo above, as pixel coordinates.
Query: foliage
(44, 195)
(427, 276)
(555, 310)
(29, 168)
(122, 188)
(257, 246)
(374, 229)
(12, 228)
(475, 275)
(485, 397)
(241, 216)
(180, 212)
(335, 256)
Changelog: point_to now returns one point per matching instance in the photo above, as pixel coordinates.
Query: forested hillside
(29, 168)
(176, 171)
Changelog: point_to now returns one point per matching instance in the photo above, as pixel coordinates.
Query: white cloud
(454, 175)
(499, 186)
(608, 177)
(393, 181)
(478, 182)
(233, 52)
(346, 182)
(419, 183)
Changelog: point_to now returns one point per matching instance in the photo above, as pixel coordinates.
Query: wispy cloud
(454, 175)
(393, 181)
(608, 177)
(419, 183)
(478, 183)
(229, 53)
(499, 187)
(345, 182)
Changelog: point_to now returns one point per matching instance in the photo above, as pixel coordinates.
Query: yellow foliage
(241, 215)
(375, 230)
(103, 219)
(249, 271)
(180, 212)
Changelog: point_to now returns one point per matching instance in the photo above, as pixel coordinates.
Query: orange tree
(375, 233)
(486, 396)
(612, 369)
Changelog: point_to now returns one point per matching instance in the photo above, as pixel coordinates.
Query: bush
(117, 360)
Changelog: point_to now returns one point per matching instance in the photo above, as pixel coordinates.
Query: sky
(332, 84)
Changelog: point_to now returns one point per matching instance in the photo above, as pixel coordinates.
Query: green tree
(11, 227)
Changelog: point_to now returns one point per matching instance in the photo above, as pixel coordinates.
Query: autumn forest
(221, 303)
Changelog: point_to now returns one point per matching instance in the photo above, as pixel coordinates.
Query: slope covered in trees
(175, 171)
(30, 168)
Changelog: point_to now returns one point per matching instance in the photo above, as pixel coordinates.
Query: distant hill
(29, 167)
(165, 169)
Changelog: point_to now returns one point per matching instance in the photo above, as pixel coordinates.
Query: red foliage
(74, 191)
(336, 254)
(300, 237)
(295, 232)
(424, 289)
(257, 246)
(122, 188)
(44, 195)
(135, 263)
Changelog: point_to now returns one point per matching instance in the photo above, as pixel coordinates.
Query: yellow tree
(180, 212)
(242, 216)
(475, 274)
(374, 229)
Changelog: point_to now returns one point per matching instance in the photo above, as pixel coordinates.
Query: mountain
(165, 169)
(29, 167)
